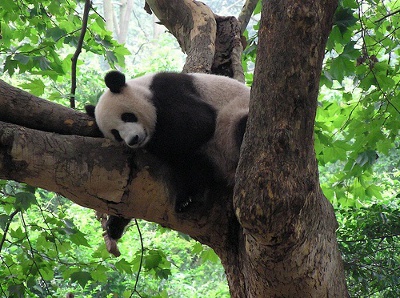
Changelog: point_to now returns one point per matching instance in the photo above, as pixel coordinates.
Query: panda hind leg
(192, 180)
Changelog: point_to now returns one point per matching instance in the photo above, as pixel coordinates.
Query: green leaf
(44, 63)
(100, 273)
(79, 239)
(24, 200)
(210, 255)
(3, 221)
(163, 273)
(17, 233)
(124, 266)
(197, 248)
(36, 86)
(17, 290)
(23, 59)
(366, 158)
(10, 65)
(344, 18)
(350, 4)
(341, 67)
(152, 260)
(47, 273)
(374, 191)
(81, 278)
(350, 52)
(55, 33)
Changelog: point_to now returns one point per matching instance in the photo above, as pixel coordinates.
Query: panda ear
(115, 80)
(90, 110)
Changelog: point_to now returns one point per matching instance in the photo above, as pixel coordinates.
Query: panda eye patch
(129, 117)
(116, 135)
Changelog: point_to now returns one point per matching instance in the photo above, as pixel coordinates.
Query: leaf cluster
(357, 142)
(370, 245)
(359, 115)
(38, 40)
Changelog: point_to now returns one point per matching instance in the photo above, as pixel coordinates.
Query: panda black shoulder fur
(194, 122)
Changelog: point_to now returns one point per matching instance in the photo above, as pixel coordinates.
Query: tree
(276, 237)
(125, 9)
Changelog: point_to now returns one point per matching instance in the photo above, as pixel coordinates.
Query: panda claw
(184, 205)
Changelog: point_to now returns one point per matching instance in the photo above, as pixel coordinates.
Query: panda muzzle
(134, 141)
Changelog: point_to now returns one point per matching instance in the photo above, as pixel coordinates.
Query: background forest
(50, 246)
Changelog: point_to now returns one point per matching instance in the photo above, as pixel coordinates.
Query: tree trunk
(289, 246)
(108, 11)
(125, 13)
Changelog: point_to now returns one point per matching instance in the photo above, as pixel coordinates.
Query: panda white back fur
(194, 122)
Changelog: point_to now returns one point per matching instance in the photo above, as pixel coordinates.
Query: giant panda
(193, 122)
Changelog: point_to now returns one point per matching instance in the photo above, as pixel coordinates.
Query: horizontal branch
(68, 165)
(22, 108)
(107, 177)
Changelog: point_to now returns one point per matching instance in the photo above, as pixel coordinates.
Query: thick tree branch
(228, 49)
(212, 43)
(194, 27)
(98, 174)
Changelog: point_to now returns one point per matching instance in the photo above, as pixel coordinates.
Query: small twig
(32, 255)
(141, 260)
(3, 239)
(388, 15)
(78, 50)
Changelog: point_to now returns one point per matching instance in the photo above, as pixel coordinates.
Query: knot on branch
(282, 140)
(9, 166)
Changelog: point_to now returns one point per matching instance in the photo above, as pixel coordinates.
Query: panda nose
(133, 141)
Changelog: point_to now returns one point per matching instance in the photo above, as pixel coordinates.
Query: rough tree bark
(288, 224)
(276, 237)
(212, 43)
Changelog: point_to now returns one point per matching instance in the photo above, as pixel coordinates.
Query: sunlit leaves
(36, 34)
(35, 86)
(359, 108)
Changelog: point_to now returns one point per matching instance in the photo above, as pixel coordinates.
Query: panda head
(125, 111)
